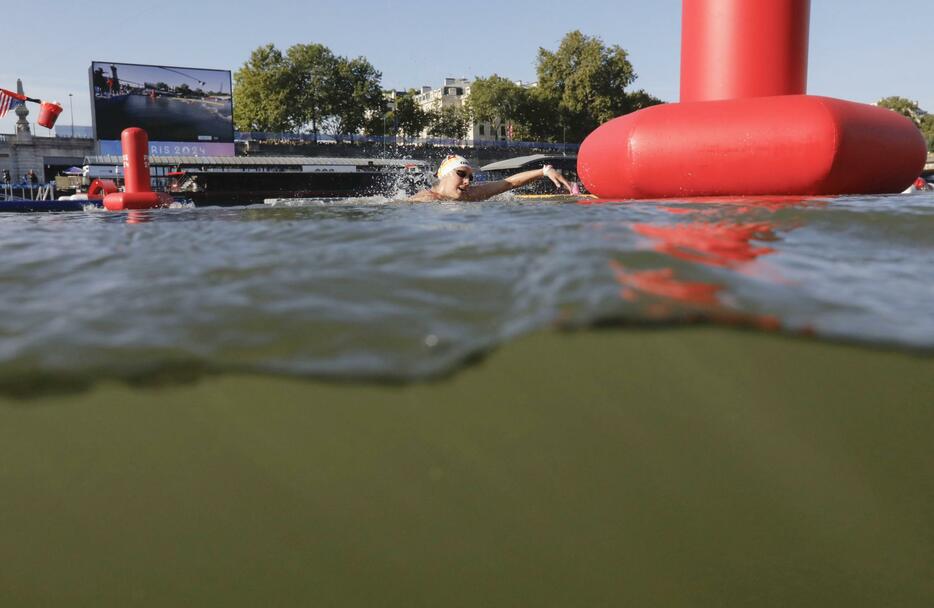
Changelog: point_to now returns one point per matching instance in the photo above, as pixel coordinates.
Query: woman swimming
(455, 182)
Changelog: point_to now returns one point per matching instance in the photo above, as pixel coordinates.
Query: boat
(504, 168)
(245, 180)
(25, 205)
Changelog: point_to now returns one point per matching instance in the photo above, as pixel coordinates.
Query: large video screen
(185, 111)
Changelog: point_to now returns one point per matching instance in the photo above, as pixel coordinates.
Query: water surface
(379, 289)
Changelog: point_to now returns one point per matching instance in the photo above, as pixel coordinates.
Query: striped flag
(9, 100)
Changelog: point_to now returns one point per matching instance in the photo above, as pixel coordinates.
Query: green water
(682, 467)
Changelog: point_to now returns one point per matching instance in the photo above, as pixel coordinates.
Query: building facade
(456, 92)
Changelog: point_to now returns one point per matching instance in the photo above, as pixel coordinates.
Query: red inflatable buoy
(138, 192)
(784, 145)
(745, 125)
(100, 188)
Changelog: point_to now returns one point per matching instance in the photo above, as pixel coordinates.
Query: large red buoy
(744, 125)
(138, 192)
(735, 49)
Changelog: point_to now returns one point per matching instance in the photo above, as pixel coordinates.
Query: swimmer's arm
(488, 189)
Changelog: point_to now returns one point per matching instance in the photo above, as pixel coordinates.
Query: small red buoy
(138, 192)
(100, 188)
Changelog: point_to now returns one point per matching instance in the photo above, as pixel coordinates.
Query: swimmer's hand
(556, 178)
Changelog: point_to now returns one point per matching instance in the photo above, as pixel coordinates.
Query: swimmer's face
(456, 183)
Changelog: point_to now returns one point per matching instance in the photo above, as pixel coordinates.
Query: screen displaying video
(185, 111)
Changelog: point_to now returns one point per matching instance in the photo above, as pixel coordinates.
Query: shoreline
(685, 466)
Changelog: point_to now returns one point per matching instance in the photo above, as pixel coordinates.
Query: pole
(71, 105)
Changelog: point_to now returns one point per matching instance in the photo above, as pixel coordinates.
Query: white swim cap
(453, 161)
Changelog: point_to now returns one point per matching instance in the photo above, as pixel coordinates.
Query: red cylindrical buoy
(745, 125)
(731, 49)
(138, 192)
(784, 145)
(100, 188)
(48, 113)
(135, 144)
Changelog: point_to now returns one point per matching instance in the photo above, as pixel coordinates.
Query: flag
(9, 100)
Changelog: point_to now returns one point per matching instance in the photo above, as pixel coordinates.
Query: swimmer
(455, 182)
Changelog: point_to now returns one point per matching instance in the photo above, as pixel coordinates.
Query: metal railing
(34, 192)
(393, 140)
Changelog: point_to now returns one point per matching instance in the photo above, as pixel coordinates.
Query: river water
(375, 289)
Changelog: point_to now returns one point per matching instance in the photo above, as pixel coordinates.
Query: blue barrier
(393, 140)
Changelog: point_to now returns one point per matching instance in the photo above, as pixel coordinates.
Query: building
(456, 92)
(76, 131)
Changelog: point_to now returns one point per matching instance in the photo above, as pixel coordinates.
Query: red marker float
(100, 188)
(138, 192)
(745, 125)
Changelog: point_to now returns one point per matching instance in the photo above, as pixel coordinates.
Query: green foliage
(261, 94)
(410, 117)
(927, 129)
(496, 99)
(639, 100)
(539, 118)
(357, 95)
(308, 86)
(312, 70)
(905, 107)
(587, 81)
(911, 110)
(581, 85)
(450, 121)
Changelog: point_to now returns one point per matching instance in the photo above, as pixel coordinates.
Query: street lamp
(71, 105)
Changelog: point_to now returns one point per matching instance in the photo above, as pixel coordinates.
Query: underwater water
(377, 289)
(742, 416)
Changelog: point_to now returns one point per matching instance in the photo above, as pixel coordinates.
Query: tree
(380, 123)
(910, 109)
(410, 117)
(927, 129)
(905, 107)
(312, 87)
(587, 80)
(450, 121)
(497, 99)
(639, 100)
(261, 92)
(357, 95)
(539, 118)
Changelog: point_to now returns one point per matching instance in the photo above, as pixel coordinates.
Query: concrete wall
(19, 154)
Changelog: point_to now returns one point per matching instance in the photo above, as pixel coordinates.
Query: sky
(861, 50)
